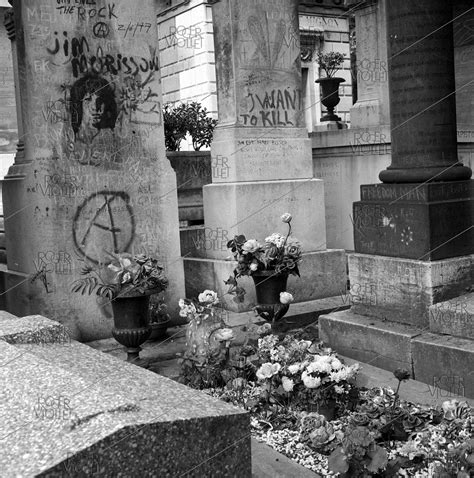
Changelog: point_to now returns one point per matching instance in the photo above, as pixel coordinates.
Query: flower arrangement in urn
(269, 264)
(124, 275)
(127, 282)
(330, 62)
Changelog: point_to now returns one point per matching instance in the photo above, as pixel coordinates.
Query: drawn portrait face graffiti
(93, 106)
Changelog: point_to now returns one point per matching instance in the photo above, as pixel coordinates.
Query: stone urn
(268, 286)
(131, 322)
(330, 96)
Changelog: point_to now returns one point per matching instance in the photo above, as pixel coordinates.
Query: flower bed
(284, 381)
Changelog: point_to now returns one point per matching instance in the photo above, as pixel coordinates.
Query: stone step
(300, 314)
(437, 360)
(454, 317)
(411, 390)
(101, 415)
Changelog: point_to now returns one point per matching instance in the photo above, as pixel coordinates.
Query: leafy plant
(125, 274)
(189, 118)
(330, 62)
(200, 125)
(175, 125)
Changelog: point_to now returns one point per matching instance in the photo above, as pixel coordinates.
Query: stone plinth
(403, 290)
(445, 362)
(193, 171)
(454, 317)
(95, 179)
(430, 221)
(254, 209)
(69, 410)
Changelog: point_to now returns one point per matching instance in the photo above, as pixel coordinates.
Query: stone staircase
(440, 355)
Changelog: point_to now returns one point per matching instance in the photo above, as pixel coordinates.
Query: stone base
(75, 411)
(454, 317)
(427, 221)
(368, 113)
(403, 290)
(330, 126)
(323, 274)
(444, 362)
(437, 360)
(243, 154)
(22, 299)
(254, 210)
(373, 341)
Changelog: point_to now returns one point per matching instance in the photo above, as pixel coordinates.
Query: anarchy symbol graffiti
(103, 223)
(101, 30)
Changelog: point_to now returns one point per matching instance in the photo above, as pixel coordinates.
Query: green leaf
(337, 461)
(379, 459)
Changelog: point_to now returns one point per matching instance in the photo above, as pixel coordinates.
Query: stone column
(422, 93)
(18, 67)
(414, 235)
(261, 153)
(430, 216)
(95, 178)
(372, 106)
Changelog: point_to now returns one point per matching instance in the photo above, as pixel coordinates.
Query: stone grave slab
(72, 409)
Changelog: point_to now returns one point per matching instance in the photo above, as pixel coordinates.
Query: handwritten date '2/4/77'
(133, 28)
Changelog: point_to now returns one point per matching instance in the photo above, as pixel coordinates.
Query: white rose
(253, 266)
(286, 217)
(309, 381)
(336, 364)
(286, 298)
(294, 368)
(250, 246)
(208, 297)
(267, 370)
(224, 335)
(287, 384)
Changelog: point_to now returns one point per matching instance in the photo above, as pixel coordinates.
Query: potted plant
(269, 264)
(159, 319)
(330, 62)
(127, 281)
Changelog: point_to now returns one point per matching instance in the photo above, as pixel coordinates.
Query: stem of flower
(288, 235)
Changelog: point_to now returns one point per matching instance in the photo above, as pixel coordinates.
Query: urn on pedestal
(127, 282)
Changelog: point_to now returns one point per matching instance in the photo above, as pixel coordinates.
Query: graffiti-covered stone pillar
(96, 178)
(261, 153)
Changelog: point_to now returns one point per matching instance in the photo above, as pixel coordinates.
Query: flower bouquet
(207, 341)
(125, 275)
(303, 373)
(269, 264)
